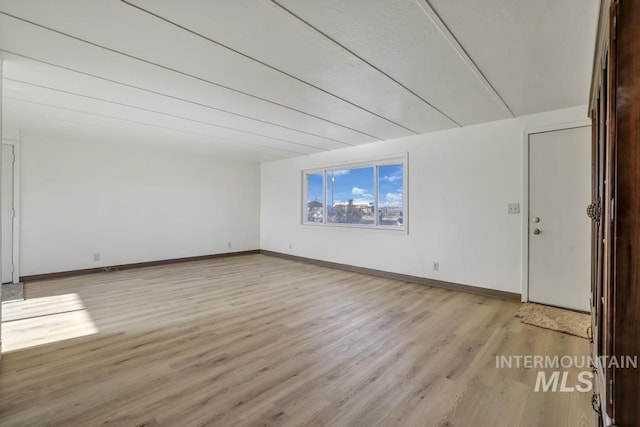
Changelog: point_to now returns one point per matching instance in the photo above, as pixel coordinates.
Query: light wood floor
(257, 340)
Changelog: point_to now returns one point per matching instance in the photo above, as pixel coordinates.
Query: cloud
(340, 173)
(392, 200)
(395, 176)
(364, 195)
(358, 191)
(394, 197)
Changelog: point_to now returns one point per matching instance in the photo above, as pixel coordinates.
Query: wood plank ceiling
(273, 79)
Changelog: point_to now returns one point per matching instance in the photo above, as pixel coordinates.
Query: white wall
(460, 182)
(132, 203)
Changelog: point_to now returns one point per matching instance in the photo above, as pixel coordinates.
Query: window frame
(375, 164)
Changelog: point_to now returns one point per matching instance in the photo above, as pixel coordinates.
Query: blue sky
(390, 185)
(314, 187)
(358, 184)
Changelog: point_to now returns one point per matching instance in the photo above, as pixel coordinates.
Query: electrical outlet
(513, 208)
(436, 266)
(96, 256)
(228, 244)
(290, 245)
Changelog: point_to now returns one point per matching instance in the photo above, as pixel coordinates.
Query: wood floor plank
(263, 341)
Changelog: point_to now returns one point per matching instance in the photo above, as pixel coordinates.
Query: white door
(559, 229)
(7, 213)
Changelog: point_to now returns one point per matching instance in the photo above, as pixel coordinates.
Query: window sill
(356, 226)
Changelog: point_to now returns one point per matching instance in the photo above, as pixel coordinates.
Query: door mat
(557, 319)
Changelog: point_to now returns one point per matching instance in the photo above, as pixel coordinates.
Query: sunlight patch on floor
(23, 327)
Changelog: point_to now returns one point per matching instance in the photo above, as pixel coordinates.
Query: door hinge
(611, 391)
(613, 209)
(13, 268)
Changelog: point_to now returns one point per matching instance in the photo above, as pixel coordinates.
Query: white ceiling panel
(95, 107)
(45, 76)
(309, 56)
(174, 49)
(537, 54)
(280, 78)
(31, 41)
(401, 39)
(60, 123)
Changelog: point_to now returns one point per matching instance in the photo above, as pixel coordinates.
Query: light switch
(513, 208)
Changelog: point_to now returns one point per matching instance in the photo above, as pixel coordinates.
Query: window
(371, 194)
(350, 196)
(391, 195)
(315, 204)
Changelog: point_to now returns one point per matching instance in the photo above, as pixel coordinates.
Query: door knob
(535, 219)
(536, 231)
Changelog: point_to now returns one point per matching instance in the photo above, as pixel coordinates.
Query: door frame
(16, 206)
(526, 134)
